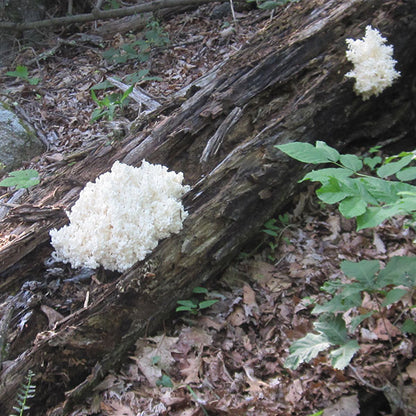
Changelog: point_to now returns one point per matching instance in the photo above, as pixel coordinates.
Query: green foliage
(386, 286)
(275, 229)
(195, 305)
(111, 5)
(164, 381)
(21, 179)
(134, 78)
(22, 72)
(409, 327)
(370, 199)
(26, 392)
(108, 105)
(331, 331)
(139, 50)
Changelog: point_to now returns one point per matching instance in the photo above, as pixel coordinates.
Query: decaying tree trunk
(287, 84)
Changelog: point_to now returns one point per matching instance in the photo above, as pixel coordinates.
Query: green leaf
(21, 179)
(375, 216)
(342, 356)
(332, 286)
(156, 359)
(351, 292)
(187, 303)
(34, 81)
(306, 349)
(372, 162)
(407, 174)
(199, 289)
(399, 271)
(409, 327)
(164, 381)
(20, 72)
(138, 76)
(126, 93)
(304, 152)
(97, 114)
(268, 5)
(363, 271)
(393, 167)
(102, 85)
(393, 296)
(374, 149)
(352, 162)
(94, 96)
(324, 175)
(352, 207)
(358, 319)
(339, 303)
(331, 153)
(406, 205)
(333, 327)
(270, 232)
(332, 192)
(207, 303)
(186, 309)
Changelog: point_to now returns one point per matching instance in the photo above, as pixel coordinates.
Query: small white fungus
(373, 63)
(120, 218)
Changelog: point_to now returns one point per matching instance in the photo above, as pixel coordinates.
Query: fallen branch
(138, 94)
(97, 14)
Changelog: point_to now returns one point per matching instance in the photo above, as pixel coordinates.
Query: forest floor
(227, 359)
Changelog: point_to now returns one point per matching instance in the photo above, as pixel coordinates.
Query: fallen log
(287, 84)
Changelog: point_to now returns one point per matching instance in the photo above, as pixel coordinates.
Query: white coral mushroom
(373, 63)
(121, 217)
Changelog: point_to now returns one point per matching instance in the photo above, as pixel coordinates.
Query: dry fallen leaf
(296, 392)
(154, 355)
(255, 385)
(237, 317)
(345, 406)
(52, 315)
(334, 224)
(378, 242)
(115, 408)
(411, 370)
(385, 329)
(191, 369)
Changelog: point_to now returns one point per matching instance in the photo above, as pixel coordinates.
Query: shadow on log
(287, 84)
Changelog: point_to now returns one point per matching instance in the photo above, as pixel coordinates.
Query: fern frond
(26, 391)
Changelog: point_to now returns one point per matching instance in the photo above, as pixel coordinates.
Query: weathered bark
(287, 84)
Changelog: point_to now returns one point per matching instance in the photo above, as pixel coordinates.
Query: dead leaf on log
(52, 315)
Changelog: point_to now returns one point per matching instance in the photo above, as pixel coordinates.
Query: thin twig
(365, 382)
(233, 12)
